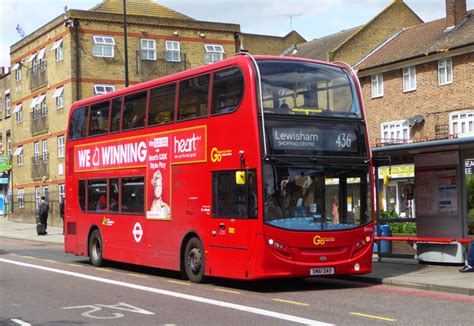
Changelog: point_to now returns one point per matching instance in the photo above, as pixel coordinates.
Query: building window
(17, 71)
(61, 146)
(19, 113)
(36, 152)
(148, 49)
(58, 48)
(61, 192)
(172, 51)
(377, 85)
(7, 105)
(45, 150)
(41, 103)
(445, 71)
(21, 198)
(213, 53)
(102, 89)
(409, 79)
(103, 46)
(42, 59)
(395, 132)
(9, 142)
(59, 97)
(19, 155)
(461, 123)
(37, 194)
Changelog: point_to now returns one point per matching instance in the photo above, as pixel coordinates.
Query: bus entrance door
(231, 245)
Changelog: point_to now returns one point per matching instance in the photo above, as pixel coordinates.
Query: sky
(311, 18)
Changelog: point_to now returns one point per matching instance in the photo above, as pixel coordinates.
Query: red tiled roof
(422, 40)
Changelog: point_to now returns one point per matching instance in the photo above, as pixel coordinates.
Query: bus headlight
(357, 267)
(278, 246)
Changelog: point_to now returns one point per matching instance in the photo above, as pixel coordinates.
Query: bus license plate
(321, 271)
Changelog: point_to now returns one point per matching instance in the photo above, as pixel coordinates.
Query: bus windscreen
(307, 88)
(317, 198)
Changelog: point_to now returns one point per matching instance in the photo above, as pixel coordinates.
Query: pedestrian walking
(470, 260)
(43, 209)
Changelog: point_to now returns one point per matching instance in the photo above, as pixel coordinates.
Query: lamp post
(125, 40)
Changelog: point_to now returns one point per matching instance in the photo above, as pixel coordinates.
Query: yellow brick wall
(389, 22)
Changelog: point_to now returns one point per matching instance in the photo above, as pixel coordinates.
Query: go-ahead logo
(217, 155)
(319, 241)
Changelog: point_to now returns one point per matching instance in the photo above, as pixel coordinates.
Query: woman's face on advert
(158, 188)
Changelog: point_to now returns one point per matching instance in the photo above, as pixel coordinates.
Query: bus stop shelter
(443, 194)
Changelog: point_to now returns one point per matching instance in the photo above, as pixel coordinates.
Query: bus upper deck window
(116, 113)
(99, 118)
(78, 123)
(161, 106)
(134, 112)
(193, 97)
(227, 90)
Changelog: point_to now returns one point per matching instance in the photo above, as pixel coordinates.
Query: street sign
(4, 163)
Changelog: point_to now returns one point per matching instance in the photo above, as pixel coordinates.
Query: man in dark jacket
(43, 209)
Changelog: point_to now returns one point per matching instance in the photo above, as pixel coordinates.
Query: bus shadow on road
(260, 286)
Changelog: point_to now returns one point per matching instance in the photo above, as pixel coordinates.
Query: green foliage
(406, 227)
(398, 227)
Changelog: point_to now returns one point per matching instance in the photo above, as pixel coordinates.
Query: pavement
(390, 271)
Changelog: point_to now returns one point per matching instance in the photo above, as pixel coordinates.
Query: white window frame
(21, 198)
(44, 146)
(19, 155)
(376, 82)
(7, 105)
(213, 53)
(61, 192)
(36, 152)
(9, 143)
(61, 146)
(42, 103)
(395, 132)
(445, 71)
(461, 122)
(59, 97)
(18, 73)
(100, 89)
(58, 49)
(102, 45)
(173, 51)
(19, 115)
(42, 59)
(37, 194)
(148, 48)
(409, 79)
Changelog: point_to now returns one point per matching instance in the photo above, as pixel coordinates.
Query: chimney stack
(455, 12)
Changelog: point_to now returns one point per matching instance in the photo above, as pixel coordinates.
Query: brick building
(417, 88)
(352, 45)
(424, 71)
(81, 54)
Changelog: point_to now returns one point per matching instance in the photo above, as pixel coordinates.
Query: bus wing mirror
(240, 177)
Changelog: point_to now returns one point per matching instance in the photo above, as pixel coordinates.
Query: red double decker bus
(249, 168)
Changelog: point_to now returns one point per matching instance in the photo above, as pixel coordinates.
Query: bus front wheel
(95, 249)
(194, 260)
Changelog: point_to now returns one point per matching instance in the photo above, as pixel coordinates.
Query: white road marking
(224, 304)
(20, 322)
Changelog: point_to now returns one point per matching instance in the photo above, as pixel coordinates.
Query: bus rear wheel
(95, 249)
(194, 260)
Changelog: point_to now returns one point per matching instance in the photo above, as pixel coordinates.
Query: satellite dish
(416, 120)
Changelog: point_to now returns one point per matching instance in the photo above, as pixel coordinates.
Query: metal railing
(38, 76)
(164, 64)
(39, 122)
(40, 167)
